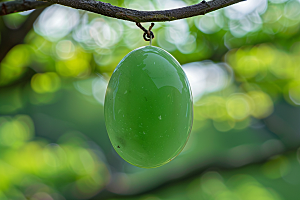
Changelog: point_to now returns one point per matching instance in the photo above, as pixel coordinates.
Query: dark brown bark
(123, 13)
(9, 7)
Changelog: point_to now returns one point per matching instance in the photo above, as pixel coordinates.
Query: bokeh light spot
(48, 82)
(238, 106)
(14, 132)
(65, 49)
(56, 22)
(262, 104)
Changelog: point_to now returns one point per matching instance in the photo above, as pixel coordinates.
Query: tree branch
(12, 37)
(9, 7)
(126, 14)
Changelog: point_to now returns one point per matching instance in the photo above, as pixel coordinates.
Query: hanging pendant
(148, 107)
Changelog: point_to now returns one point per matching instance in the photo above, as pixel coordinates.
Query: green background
(243, 66)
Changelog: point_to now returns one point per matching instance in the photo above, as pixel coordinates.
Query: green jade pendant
(148, 107)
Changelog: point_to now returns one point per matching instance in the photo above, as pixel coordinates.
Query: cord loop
(148, 34)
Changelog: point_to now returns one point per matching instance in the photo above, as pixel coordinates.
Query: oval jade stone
(148, 107)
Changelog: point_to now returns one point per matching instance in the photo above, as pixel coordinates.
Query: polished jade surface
(148, 107)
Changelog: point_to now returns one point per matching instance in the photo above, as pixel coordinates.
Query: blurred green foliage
(243, 65)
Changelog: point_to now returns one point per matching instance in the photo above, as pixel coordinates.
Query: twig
(12, 37)
(129, 14)
(9, 7)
